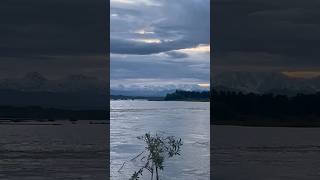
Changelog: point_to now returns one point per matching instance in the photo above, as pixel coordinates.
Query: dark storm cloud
(274, 33)
(36, 27)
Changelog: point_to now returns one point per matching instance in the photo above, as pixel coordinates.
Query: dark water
(186, 120)
(265, 153)
(47, 152)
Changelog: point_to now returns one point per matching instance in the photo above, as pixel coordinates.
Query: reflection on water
(186, 120)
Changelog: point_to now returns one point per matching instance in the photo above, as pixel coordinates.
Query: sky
(55, 38)
(56, 46)
(267, 36)
(159, 44)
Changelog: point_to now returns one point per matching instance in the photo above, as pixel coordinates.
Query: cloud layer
(54, 38)
(164, 41)
(276, 35)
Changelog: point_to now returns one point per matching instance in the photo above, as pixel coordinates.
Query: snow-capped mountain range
(71, 92)
(263, 82)
(35, 81)
(257, 82)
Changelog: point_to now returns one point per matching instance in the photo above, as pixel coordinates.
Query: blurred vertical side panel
(54, 89)
(211, 91)
(265, 76)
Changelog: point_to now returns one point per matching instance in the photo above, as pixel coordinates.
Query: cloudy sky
(55, 38)
(267, 35)
(159, 44)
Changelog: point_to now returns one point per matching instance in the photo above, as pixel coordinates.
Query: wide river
(186, 120)
(265, 153)
(60, 150)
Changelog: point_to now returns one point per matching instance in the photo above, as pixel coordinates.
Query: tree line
(181, 95)
(38, 113)
(259, 109)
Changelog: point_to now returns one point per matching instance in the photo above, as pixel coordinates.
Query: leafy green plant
(158, 148)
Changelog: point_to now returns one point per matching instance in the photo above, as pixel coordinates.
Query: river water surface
(265, 153)
(186, 120)
(59, 150)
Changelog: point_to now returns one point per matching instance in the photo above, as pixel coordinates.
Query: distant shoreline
(267, 126)
(178, 95)
(146, 99)
(269, 123)
(43, 114)
(46, 122)
(123, 97)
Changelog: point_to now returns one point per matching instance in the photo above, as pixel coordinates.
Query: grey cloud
(35, 27)
(121, 46)
(177, 55)
(55, 38)
(161, 67)
(173, 25)
(122, 69)
(289, 29)
(182, 23)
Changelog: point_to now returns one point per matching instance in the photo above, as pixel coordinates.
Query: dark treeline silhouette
(181, 95)
(60, 100)
(178, 95)
(40, 113)
(122, 97)
(266, 109)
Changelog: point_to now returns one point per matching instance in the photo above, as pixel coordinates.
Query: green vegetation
(157, 149)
